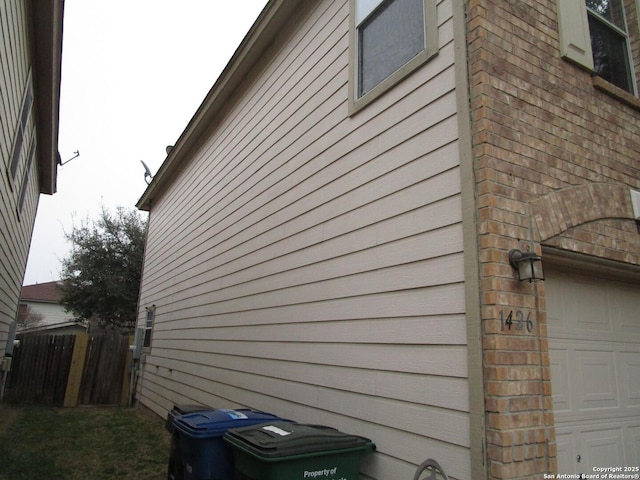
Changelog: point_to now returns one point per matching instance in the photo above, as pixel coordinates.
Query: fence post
(75, 372)
(126, 377)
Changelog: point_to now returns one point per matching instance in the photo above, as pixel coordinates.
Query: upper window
(598, 35)
(610, 42)
(21, 130)
(25, 175)
(390, 39)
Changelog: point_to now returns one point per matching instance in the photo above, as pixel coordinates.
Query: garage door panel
(630, 378)
(556, 317)
(586, 308)
(624, 301)
(594, 351)
(560, 385)
(580, 448)
(566, 447)
(602, 448)
(597, 380)
(632, 443)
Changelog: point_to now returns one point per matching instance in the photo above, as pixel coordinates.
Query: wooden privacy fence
(39, 369)
(70, 370)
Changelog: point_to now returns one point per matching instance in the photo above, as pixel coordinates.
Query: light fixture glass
(528, 265)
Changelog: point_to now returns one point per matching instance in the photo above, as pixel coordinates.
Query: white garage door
(594, 349)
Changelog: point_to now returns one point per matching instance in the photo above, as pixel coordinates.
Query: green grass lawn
(81, 444)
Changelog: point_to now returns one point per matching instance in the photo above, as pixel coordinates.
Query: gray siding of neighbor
(19, 186)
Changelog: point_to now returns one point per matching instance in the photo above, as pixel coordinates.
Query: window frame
(575, 44)
(430, 23)
(630, 67)
(149, 321)
(25, 176)
(26, 106)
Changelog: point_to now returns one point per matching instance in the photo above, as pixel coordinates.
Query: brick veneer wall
(555, 155)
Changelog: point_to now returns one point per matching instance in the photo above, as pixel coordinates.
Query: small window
(390, 39)
(148, 327)
(27, 102)
(25, 176)
(610, 42)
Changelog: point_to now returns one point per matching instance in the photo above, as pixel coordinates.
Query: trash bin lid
(181, 409)
(212, 423)
(281, 439)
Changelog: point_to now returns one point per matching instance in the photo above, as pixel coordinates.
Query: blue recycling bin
(175, 469)
(205, 455)
(178, 410)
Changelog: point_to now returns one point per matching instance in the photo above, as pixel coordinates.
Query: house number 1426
(515, 320)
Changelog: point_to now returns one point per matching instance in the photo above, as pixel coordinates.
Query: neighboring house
(64, 328)
(329, 239)
(42, 301)
(30, 55)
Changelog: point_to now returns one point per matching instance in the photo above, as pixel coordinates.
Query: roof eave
(47, 22)
(257, 40)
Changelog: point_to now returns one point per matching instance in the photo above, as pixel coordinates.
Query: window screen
(389, 38)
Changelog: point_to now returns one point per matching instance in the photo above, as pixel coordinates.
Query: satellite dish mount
(76, 154)
(147, 173)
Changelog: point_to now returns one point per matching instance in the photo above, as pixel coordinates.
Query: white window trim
(359, 11)
(150, 315)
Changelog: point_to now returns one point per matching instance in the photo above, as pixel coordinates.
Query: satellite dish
(147, 173)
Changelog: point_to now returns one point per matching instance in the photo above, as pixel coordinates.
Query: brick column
(520, 438)
(519, 418)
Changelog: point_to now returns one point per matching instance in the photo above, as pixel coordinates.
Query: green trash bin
(293, 451)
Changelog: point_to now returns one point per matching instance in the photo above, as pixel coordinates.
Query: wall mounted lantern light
(528, 265)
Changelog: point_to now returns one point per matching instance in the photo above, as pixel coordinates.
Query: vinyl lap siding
(310, 264)
(52, 313)
(15, 226)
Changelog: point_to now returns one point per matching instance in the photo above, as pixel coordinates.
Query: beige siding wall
(310, 264)
(52, 313)
(16, 222)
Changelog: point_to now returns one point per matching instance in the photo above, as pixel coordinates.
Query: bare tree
(27, 318)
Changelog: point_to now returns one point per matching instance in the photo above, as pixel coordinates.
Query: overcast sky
(133, 74)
